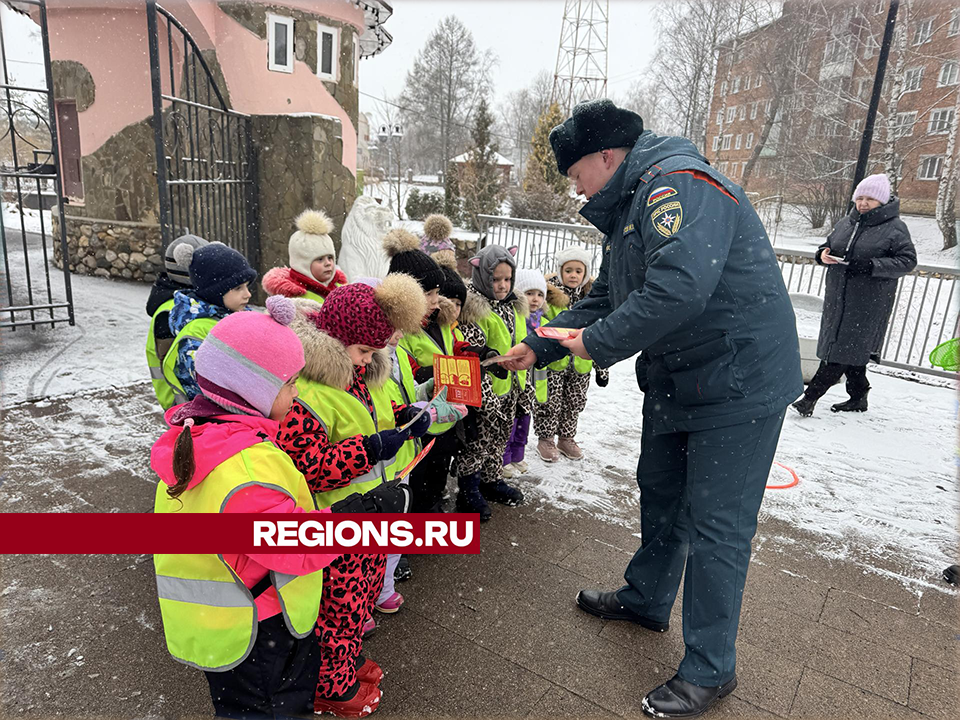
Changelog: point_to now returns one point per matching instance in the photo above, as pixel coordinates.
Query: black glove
(603, 379)
(385, 444)
(390, 497)
(860, 267)
(483, 352)
(420, 427)
(423, 374)
(478, 350)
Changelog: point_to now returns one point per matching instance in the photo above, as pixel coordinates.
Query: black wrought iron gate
(32, 293)
(206, 161)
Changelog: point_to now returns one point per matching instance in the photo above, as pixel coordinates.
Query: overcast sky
(523, 33)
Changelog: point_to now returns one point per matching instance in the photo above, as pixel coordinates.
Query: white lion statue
(361, 240)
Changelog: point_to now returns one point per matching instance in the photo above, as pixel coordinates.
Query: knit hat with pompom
(403, 249)
(311, 241)
(452, 286)
(358, 314)
(215, 269)
(248, 356)
(436, 234)
(175, 271)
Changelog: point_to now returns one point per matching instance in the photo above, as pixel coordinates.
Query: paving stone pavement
(494, 634)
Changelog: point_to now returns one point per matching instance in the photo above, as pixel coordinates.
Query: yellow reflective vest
(209, 615)
(155, 356)
(343, 416)
(402, 389)
(197, 329)
(500, 339)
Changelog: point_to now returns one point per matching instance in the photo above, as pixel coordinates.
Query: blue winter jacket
(689, 280)
(187, 307)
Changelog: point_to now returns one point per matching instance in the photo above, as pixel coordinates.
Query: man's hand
(522, 357)
(574, 343)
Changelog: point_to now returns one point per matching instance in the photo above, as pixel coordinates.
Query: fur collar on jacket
(446, 313)
(327, 360)
(478, 306)
(289, 283)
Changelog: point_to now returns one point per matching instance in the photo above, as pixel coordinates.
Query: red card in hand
(554, 333)
(461, 376)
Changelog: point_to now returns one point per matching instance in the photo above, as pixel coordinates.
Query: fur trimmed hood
(447, 313)
(326, 358)
(478, 306)
(554, 279)
(288, 282)
(557, 297)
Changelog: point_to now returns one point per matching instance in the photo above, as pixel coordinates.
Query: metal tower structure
(581, 72)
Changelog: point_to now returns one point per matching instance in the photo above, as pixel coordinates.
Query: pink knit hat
(874, 186)
(247, 357)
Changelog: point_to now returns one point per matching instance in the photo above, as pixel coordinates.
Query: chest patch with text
(666, 218)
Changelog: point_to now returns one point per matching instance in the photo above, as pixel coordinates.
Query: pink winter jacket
(213, 443)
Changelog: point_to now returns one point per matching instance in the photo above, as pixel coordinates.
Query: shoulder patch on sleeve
(659, 194)
(666, 218)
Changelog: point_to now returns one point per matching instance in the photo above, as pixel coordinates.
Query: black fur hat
(594, 126)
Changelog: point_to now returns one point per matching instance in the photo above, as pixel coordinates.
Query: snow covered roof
(374, 39)
(500, 159)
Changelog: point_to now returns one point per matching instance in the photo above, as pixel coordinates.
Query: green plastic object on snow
(947, 355)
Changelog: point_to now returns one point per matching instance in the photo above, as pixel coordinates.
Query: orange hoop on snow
(791, 484)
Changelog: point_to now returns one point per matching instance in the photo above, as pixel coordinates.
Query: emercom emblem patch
(661, 193)
(666, 218)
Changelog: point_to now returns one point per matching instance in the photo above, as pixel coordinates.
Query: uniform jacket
(856, 308)
(689, 280)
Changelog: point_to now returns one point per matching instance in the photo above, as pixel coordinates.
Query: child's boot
(368, 671)
(569, 448)
(547, 450)
(357, 702)
(509, 471)
(469, 499)
(500, 492)
(521, 467)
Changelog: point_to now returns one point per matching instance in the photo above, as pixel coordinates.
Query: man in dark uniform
(689, 281)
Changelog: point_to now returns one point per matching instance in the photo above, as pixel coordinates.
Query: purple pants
(518, 440)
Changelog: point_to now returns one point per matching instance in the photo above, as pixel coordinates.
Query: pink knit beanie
(874, 186)
(352, 315)
(247, 357)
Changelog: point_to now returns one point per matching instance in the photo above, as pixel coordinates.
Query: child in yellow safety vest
(248, 621)
(313, 271)
(343, 434)
(563, 396)
(159, 304)
(493, 319)
(220, 277)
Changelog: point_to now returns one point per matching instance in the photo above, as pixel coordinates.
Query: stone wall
(108, 248)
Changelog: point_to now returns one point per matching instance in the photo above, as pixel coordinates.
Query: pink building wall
(109, 37)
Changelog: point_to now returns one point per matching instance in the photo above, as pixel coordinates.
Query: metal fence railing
(924, 312)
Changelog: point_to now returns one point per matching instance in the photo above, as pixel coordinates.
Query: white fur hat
(310, 241)
(578, 253)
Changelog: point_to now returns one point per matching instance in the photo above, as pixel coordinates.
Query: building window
(930, 167)
(870, 47)
(855, 127)
(279, 43)
(923, 32)
(328, 53)
(746, 82)
(726, 141)
(949, 73)
(912, 79)
(940, 121)
(716, 143)
(835, 51)
(720, 116)
(733, 169)
(753, 110)
(739, 142)
(731, 113)
(723, 166)
(743, 112)
(954, 28)
(736, 85)
(749, 140)
(768, 106)
(758, 81)
(356, 61)
(880, 7)
(863, 87)
(723, 88)
(903, 127)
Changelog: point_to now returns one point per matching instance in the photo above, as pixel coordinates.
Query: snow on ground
(31, 218)
(875, 488)
(794, 232)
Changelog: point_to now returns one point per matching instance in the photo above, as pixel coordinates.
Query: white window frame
(870, 47)
(900, 125)
(923, 32)
(742, 115)
(937, 164)
(356, 60)
(723, 88)
(723, 166)
(731, 113)
(908, 88)
(716, 143)
(768, 106)
(758, 81)
(736, 85)
(880, 7)
(954, 27)
(746, 82)
(749, 140)
(739, 142)
(720, 116)
(939, 115)
(753, 109)
(944, 69)
(855, 129)
(272, 22)
(726, 141)
(333, 76)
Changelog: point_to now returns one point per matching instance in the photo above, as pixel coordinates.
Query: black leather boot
(952, 575)
(677, 698)
(500, 492)
(858, 404)
(605, 605)
(805, 406)
(469, 499)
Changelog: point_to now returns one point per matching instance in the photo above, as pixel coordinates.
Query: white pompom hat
(311, 241)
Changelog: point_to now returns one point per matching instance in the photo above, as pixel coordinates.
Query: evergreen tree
(481, 182)
(542, 161)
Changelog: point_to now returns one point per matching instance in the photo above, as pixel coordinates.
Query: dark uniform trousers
(700, 493)
(829, 374)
